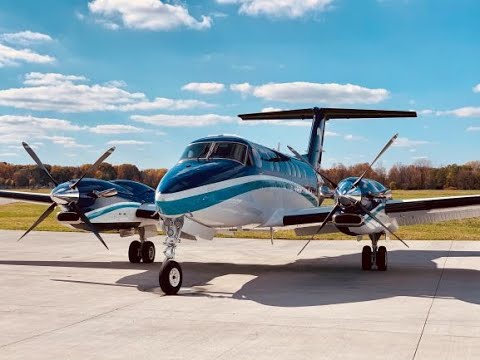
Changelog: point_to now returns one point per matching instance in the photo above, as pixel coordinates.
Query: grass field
(19, 216)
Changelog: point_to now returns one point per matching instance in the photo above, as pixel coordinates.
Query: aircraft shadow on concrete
(309, 282)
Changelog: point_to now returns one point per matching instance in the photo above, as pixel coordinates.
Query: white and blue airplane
(227, 182)
(223, 182)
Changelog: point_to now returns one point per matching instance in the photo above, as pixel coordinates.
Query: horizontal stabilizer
(327, 113)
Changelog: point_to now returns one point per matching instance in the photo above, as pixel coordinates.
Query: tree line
(30, 176)
(418, 176)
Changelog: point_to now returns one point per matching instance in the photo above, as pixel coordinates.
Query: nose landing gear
(171, 276)
(374, 255)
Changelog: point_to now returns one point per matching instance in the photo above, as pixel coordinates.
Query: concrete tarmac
(63, 296)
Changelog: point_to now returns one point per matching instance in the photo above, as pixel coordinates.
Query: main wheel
(367, 258)
(170, 277)
(135, 252)
(148, 252)
(382, 258)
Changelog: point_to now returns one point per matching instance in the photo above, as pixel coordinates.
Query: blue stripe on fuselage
(206, 200)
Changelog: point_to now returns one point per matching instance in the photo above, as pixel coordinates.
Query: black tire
(382, 258)
(367, 258)
(170, 277)
(148, 252)
(135, 252)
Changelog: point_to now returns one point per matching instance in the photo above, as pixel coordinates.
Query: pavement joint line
(68, 326)
(433, 299)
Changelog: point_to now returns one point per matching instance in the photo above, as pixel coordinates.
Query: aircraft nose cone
(64, 196)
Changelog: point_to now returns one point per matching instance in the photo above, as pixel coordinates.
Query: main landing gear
(141, 250)
(375, 255)
(170, 276)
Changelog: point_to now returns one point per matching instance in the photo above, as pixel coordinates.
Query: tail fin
(319, 117)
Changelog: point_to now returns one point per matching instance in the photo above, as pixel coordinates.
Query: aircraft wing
(431, 210)
(31, 197)
(303, 221)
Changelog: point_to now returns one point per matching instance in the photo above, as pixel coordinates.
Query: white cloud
(65, 141)
(206, 88)
(350, 137)
(165, 104)
(306, 92)
(13, 57)
(468, 111)
(128, 142)
(69, 93)
(279, 8)
(244, 88)
(50, 79)
(405, 142)
(473, 128)
(426, 112)
(183, 120)
(420, 157)
(15, 128)
(145, 15)
(271, 109)
(25, 38)
(115, 129)
(8, 154)
(476, 88)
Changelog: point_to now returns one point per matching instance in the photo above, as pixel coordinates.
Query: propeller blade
(302, 158)
(40, 219)
(95, 166)
(385, 148)
(89, 224)
(34, 156)
(383, 225)
(320, 228)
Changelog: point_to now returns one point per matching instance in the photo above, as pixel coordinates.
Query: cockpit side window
(195, 151)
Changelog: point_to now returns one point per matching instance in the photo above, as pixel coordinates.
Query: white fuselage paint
(253, 207)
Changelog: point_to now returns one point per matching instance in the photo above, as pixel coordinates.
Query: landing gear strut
(141, 250)
(170, 276)
(375, 255)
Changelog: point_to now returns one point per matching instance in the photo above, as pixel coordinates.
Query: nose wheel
(170, 277)
(374, 256)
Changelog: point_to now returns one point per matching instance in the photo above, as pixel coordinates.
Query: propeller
(42, 217)
(382, 224)
(38, 161)
(70, 197)
(327, 219)
(353, 196)
(94, 167)
(385, 148)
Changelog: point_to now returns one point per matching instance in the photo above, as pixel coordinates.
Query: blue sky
(150, 76)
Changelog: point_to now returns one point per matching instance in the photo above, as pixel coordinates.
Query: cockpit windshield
(216, 150)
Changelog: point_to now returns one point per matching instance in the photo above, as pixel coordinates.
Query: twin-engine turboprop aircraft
(98, 206)
(225, 181)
